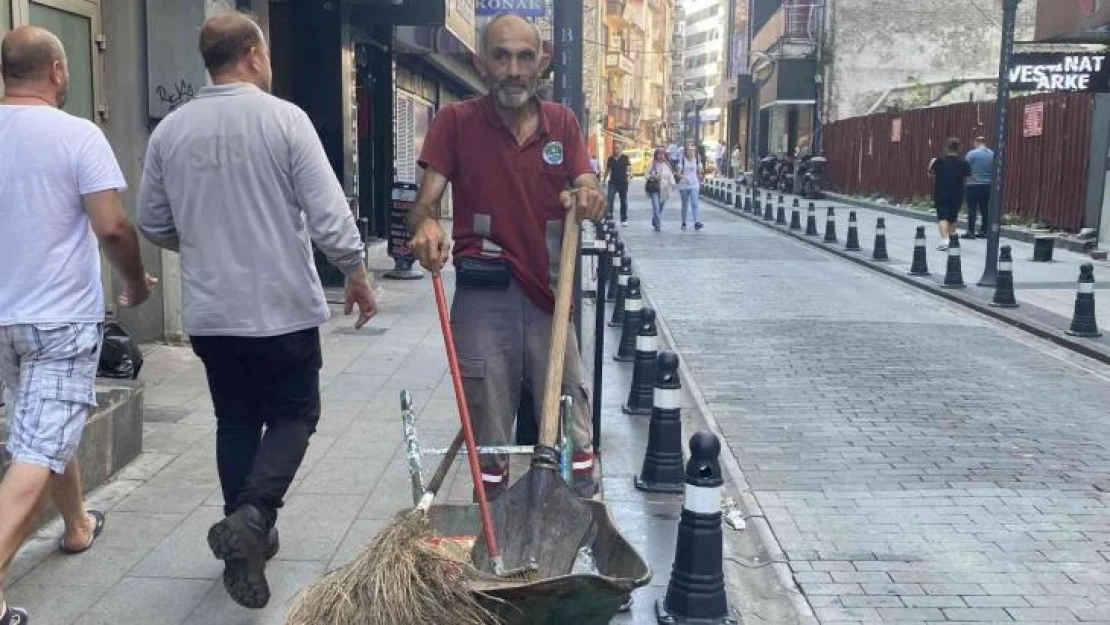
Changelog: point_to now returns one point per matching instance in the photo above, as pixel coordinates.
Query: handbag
(651, 185)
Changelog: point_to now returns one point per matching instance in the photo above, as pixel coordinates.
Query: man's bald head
(28, 54)
(227, 38)
(511, 26)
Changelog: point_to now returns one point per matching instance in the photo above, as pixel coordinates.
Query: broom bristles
(396, 580)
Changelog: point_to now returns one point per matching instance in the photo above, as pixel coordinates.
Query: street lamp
(994, 210)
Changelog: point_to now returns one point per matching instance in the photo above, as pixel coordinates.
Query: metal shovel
(540, 523)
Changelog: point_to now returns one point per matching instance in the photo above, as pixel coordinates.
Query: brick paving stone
(891, 433)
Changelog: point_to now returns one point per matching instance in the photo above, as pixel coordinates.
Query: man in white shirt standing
(238, 183)
(61, 186)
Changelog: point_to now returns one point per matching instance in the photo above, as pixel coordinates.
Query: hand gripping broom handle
(560, 323)
(464, 417)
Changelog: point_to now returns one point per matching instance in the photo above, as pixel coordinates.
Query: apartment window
(703, 14)
(75, 22)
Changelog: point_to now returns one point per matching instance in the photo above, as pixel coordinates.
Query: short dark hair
(30, 59)
(953, 145)
(226, 38)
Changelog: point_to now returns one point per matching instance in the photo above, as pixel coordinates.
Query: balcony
(619, 63)
(616, 13)
(622, 117)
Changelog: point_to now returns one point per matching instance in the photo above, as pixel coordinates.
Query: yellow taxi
(638, 159)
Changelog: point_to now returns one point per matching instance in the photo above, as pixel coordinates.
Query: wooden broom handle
(560, 324)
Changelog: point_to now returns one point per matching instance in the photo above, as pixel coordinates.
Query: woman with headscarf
(660, 183)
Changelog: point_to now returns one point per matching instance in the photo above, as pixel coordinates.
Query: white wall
(949, 46)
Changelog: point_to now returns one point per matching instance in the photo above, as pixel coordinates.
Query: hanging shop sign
(523, 8)
(1060, 71)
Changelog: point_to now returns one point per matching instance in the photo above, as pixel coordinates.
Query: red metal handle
(464, 417)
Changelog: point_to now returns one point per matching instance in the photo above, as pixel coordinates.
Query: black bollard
(780, 215)
(1004, 286)
(757, 208)
(880, 240)
(630, 324)
(920, 265)
(1083, 322)
(622, 290)
(747, 208)
(615, 267)
(696, 592)
(642, 392)
(853, 233)
(768, 210)
(830, 226)
(795, 217)
(953, 275)
(811, 221)
(740, 197)
(662, 470)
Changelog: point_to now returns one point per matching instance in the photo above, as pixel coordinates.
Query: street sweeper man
(516, 166)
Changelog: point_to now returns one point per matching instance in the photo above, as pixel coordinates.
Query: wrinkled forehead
(513, 37)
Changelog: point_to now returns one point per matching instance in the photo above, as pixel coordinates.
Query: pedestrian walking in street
(618, 171)
(736, 158)
(689, 185)
(61, 194)
(673, 154)
(659, 185)
(238, 183)
(981, 160)
(949, 174)
(508, 239)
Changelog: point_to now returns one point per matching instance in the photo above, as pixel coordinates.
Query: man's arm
(120, 243)
(328, 218)
(429, 243)
(153, 205)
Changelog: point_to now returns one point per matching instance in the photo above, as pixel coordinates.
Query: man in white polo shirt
(61, 186)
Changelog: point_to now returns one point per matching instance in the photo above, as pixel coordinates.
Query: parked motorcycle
(766, 175)
(786, 175)
(811, 173)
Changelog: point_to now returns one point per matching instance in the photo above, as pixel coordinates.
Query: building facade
(704, 63)
(637, 38)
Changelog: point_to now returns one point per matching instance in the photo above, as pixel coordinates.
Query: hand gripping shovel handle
(464, 417)
(560, 324)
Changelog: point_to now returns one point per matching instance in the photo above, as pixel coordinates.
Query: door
(76, 23)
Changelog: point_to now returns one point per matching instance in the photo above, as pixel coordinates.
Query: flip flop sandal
(98, 516)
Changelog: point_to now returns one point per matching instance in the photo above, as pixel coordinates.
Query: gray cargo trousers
(502, 340)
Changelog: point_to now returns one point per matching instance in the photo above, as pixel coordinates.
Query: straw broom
(404, 577)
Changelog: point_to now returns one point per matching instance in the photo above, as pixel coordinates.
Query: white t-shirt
(49, 260)
(688, 174)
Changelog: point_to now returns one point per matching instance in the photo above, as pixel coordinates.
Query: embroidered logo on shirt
(553, 153)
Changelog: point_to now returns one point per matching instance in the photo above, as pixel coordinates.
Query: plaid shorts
(48, 371)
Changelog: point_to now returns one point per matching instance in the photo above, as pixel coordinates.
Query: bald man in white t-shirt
(61, 194)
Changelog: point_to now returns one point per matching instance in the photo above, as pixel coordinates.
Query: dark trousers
(618, 189)
(978, 200)
(255, 382)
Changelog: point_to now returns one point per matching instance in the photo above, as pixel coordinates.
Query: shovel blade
(539, 522)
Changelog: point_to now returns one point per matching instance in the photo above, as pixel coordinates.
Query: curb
(1098, 350)
(1067, 242)
(753, 511)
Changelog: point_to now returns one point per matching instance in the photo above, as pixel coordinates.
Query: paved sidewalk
(917, 461)
(1046, 286)
(152, 565)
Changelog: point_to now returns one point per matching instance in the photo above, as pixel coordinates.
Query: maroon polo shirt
(506, 195)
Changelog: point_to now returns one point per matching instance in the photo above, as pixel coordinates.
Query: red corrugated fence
(1047, 172)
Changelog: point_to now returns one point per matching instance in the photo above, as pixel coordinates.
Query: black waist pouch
(480, 273)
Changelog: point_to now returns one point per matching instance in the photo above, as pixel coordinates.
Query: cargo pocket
(61, 406)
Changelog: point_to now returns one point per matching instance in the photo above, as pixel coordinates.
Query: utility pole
(567, 26)
(994, 211)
